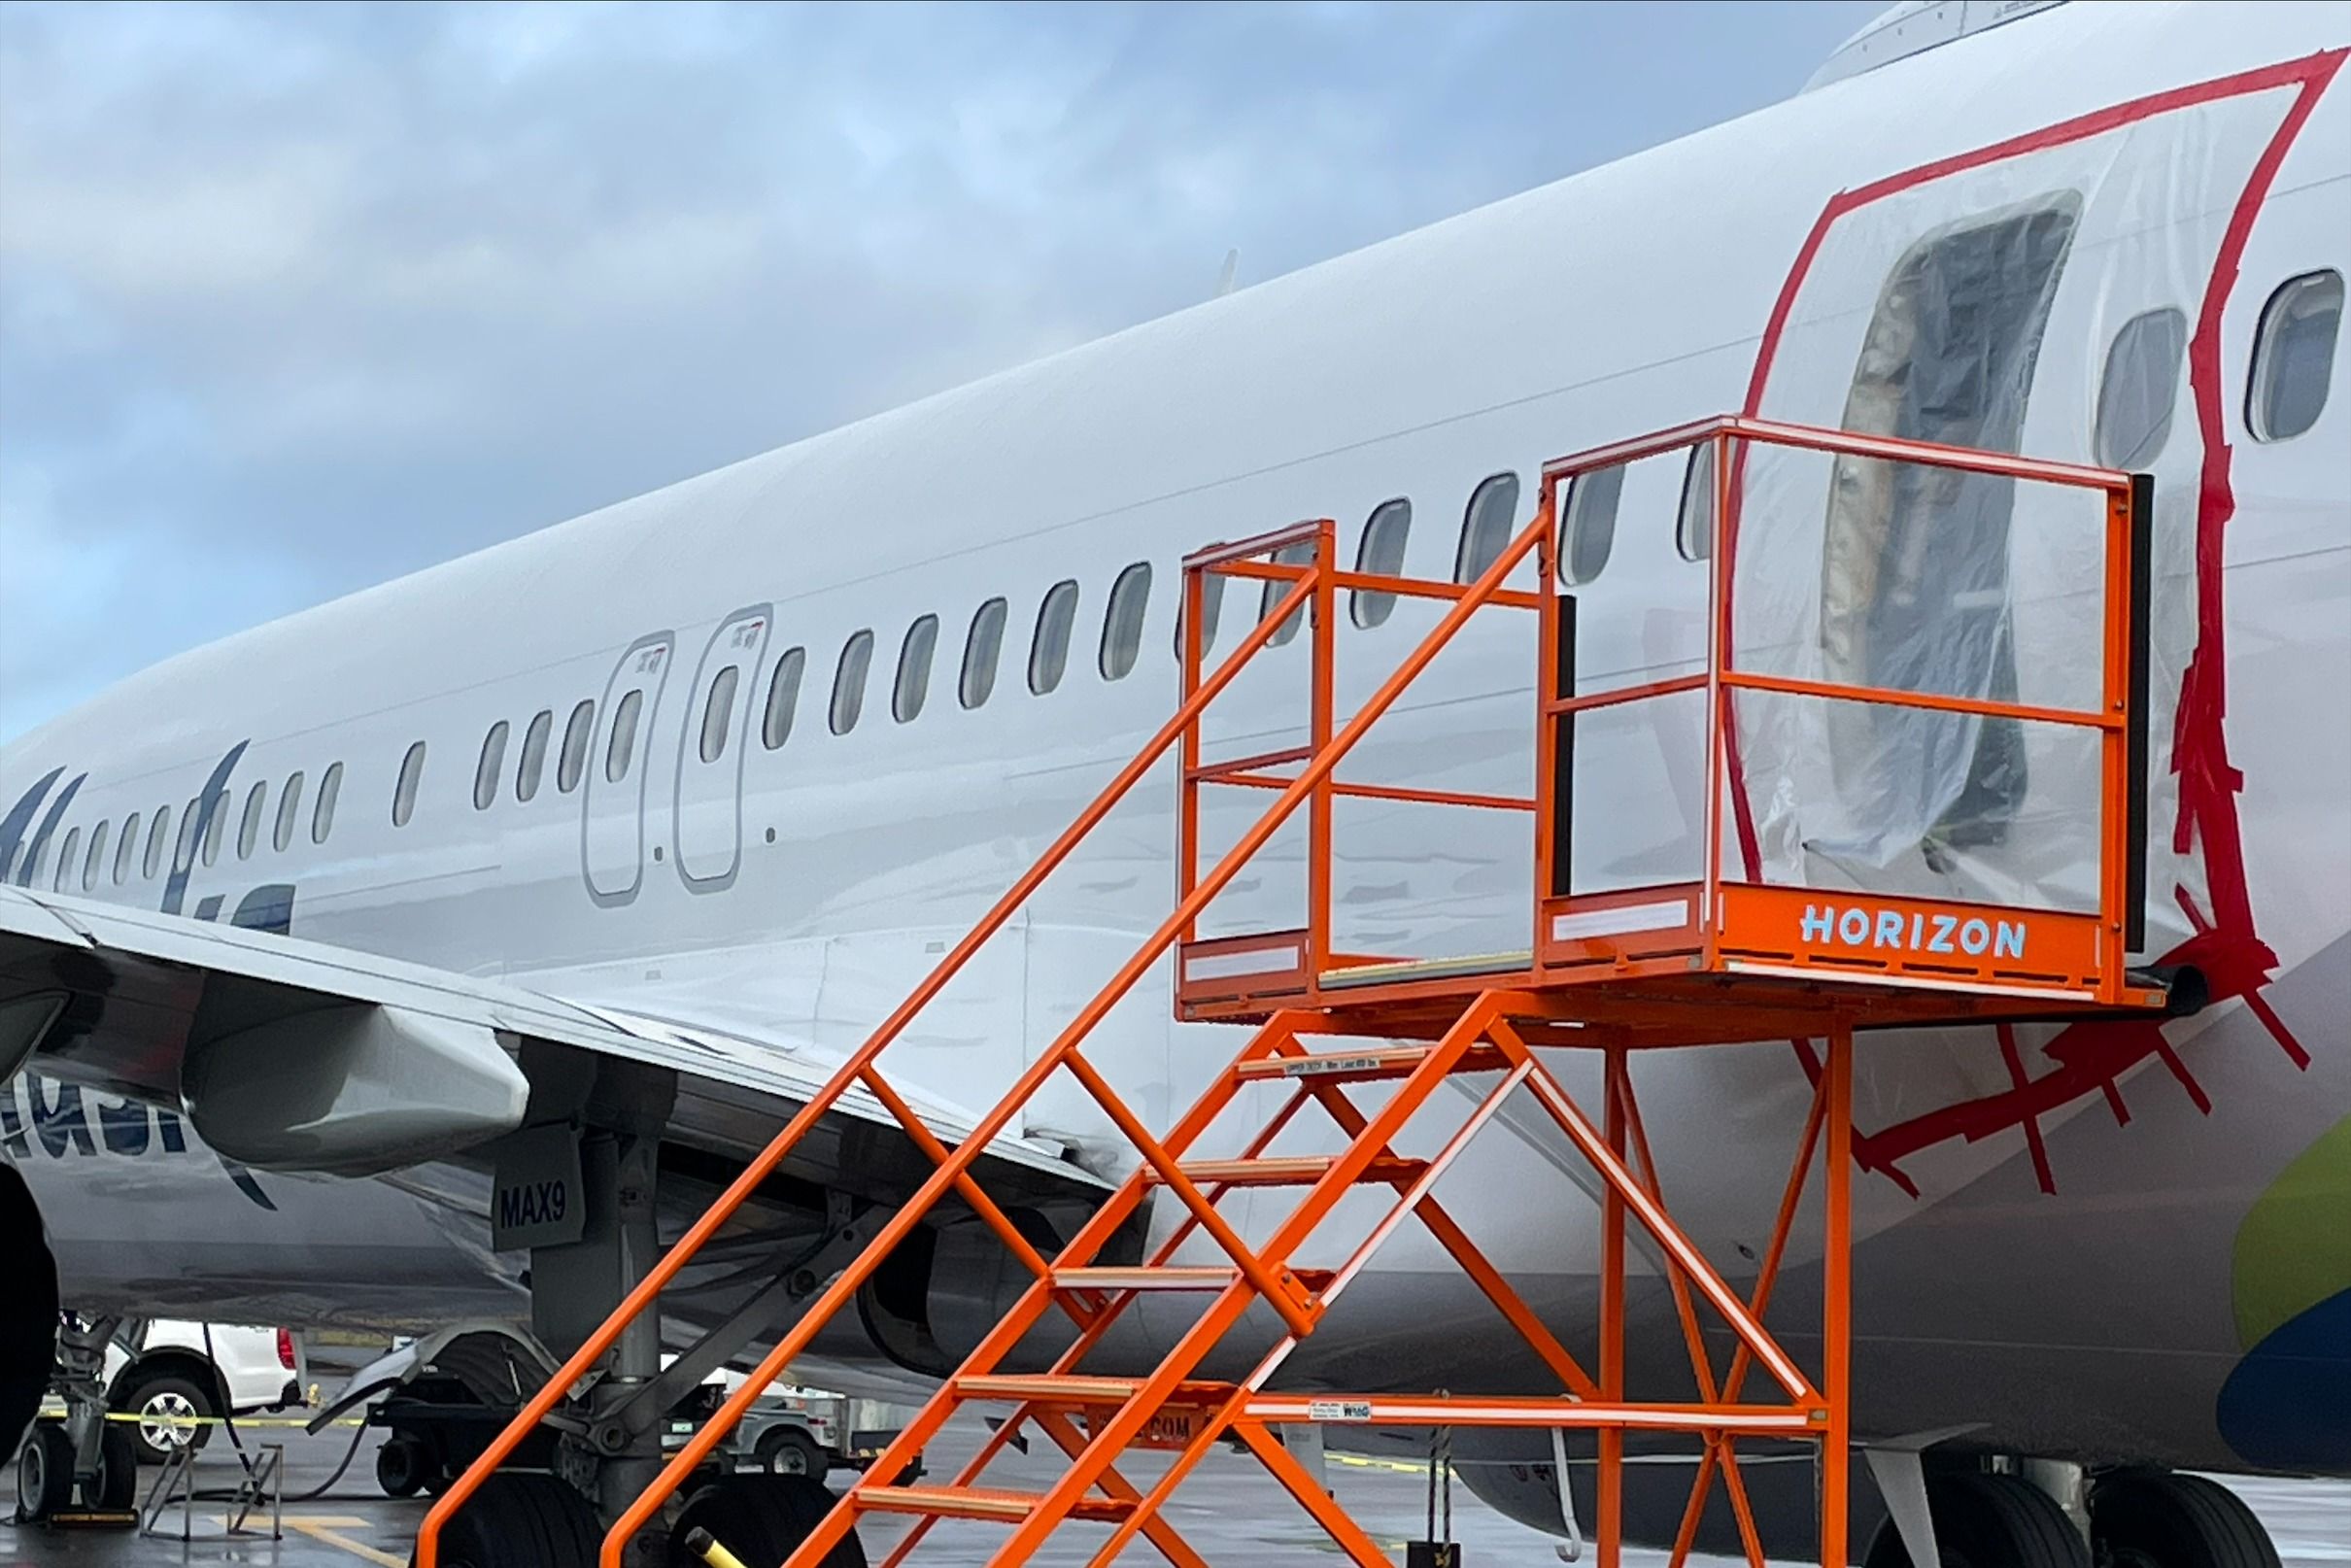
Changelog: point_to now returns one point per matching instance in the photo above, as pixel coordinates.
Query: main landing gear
(2139, 1518)
(2154, 1518)
(596, 1452)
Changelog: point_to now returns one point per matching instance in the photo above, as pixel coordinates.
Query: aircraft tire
(45, 1473)
(2161, 1520)
(29, 1309)
(1989, 1522)
(760, 1519)
(522, 1520)
(117, 1467)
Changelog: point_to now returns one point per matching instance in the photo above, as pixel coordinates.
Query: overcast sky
(294, 300)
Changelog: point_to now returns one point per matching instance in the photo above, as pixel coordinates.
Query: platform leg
(1608, 1511)
(1836, 1280)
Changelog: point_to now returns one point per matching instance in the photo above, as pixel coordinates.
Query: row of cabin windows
(2286, 390)
(2138, 390)
(130, 862)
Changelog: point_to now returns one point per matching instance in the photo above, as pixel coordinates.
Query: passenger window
(1695, 522)
(190, 821)
(578, 731)
(1211, 610)
(783, 698)
(849, 682)
(1050, 652)
(914, 657)
(97, 855)
(620, 750)
(2294, 356)
(718, 713)
(1485, 527)
(158, 835)
(486, 771)
(983, 647)
(323, 815)
(1591, 524)
(216, 827)
(249, 830)
(1122, 621)
(1381, 554)
(2138, 388)
(534, 754)
(1290, 555)
(290, 807)
(404, 792)
(127, 850)
(65, 860)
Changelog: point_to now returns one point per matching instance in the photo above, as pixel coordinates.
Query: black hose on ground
(229, 1420)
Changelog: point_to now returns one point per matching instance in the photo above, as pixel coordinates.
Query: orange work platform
(1729, 949)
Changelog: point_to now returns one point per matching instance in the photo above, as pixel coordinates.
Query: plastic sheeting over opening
(1982, 307)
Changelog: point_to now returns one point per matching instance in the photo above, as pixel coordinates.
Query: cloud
(296, 299)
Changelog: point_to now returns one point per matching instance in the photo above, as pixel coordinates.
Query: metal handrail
(1316, 586)
(852, 1071)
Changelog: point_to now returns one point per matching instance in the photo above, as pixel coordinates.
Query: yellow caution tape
(57, 1413)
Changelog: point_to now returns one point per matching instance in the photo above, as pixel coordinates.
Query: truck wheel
(117, 1466)
(170, 1407)
(521, 1520)
(45, 1473)
(761, 1519)
(787, 1450)
(401, 1466)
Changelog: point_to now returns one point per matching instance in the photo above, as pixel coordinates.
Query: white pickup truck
(182, 1371)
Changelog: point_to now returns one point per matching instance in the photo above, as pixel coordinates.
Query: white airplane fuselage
(2029, 1263)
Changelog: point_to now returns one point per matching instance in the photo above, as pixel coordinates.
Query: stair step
(979, 1503)
(1070, 1388)
(1286, 1171)
(1364, 1067)
(1173, 1279)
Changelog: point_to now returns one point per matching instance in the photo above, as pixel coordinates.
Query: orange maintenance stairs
(1722, 955)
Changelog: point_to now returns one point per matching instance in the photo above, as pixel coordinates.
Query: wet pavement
(1230, 1511)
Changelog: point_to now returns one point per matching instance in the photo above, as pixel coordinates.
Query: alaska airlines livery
(433, 954)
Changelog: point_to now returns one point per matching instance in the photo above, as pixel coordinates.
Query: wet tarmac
(1230, 1511)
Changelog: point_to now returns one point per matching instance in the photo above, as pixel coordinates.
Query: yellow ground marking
(321, 1530)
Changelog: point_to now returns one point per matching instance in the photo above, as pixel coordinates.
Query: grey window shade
(1381, 554)
(2294, 356)
(1122, 621)
(983, 649)
(2138, 388)
(1050, 652)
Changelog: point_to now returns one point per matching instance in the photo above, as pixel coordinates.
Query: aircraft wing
(289, 1054)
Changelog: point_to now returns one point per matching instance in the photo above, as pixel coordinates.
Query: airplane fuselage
(2070, 1281)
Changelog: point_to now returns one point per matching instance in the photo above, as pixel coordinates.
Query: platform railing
(1735, 919)
(1306, 955)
